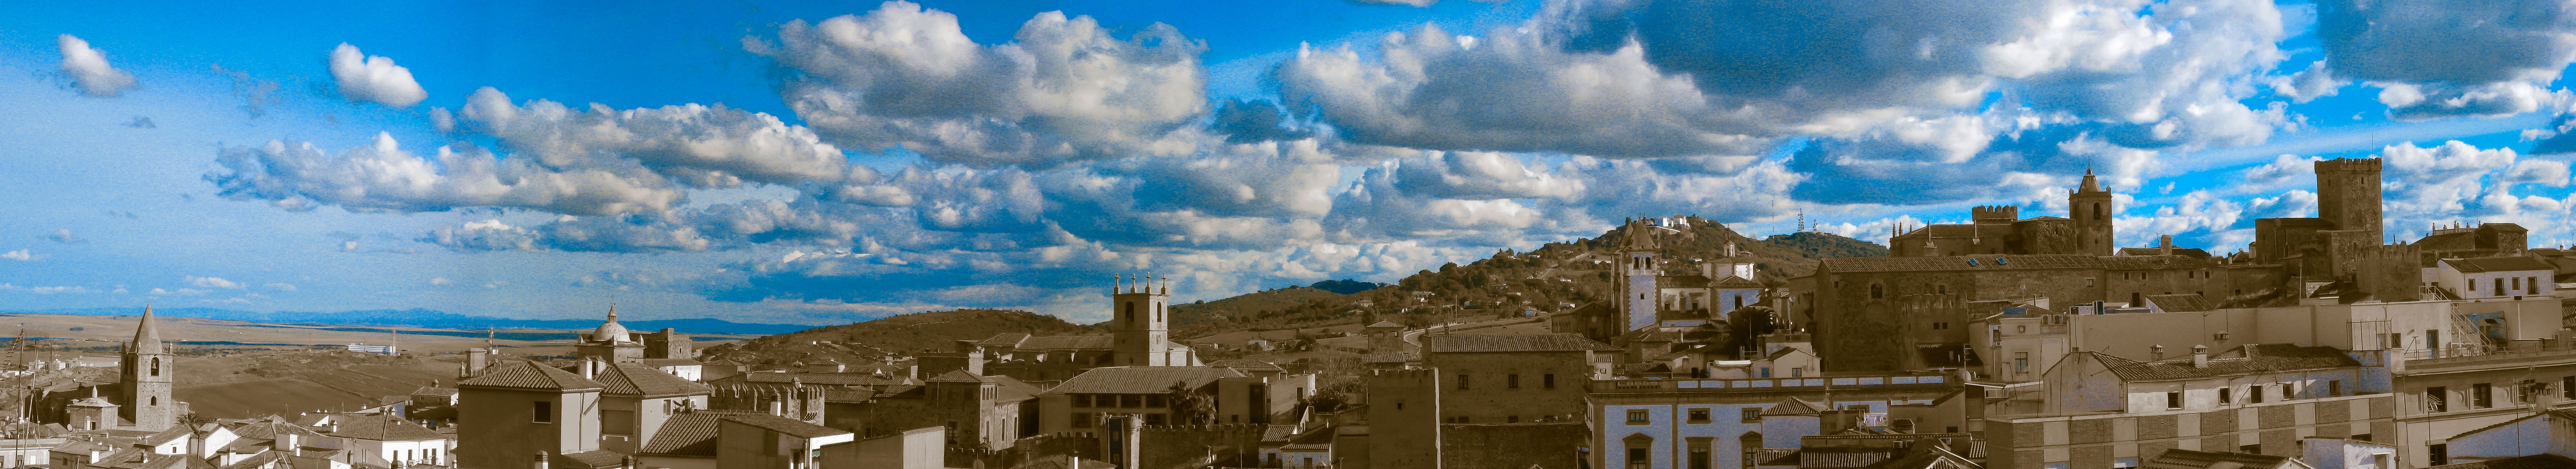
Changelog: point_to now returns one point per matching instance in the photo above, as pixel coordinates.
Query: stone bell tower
(2092, 209)
(1141, 321)
(149, 365)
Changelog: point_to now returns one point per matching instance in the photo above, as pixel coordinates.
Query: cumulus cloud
(178, 292)
(373, 78)
(65, 236)
(2460, 183)
(382, 176)
(441, 281)
(88, 68)
(21, 255)
(2441, 58)
(1065, 89)
(695, 145)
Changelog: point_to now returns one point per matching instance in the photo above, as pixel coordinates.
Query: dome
(611, 331)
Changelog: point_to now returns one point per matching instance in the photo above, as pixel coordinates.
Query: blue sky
(825, 162)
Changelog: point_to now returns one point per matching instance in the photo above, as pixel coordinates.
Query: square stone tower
(1141, 322)
(2091, 207)
(2348, 194)
(149, 366)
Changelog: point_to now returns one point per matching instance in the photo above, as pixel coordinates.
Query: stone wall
(1488, 394)
(1404, 412)
(1233, 445)
(1513, 446)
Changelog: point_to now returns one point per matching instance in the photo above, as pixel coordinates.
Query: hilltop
(425, 318)
(1554, 277)
(902, 334)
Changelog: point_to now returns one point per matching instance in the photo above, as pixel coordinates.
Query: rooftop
(1141, 379)
(2498, 264)
(1479, 343)
(2242, 360)
(528, 375)
(2188, 459)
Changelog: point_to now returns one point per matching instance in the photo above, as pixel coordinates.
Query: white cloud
(373, 78)
(22, 256)
(2443, 58)
(382, 176)
(211, 282)
(440, 281)
(87, 66)
(178, 292)
(65, 236)
(691, 144)
(280, 286)
(1067, 88)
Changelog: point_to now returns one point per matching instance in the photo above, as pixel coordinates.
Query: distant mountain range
(432, 319)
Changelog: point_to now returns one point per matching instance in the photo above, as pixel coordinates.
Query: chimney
(292, 446)
(2159, 353)
(541, 460)
(587, 372)
(475, 360)
(2200, 356)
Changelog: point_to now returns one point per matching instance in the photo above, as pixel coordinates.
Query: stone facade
(2114, 439)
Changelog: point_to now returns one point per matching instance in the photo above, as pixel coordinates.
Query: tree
(1189, 406)
(193, 420)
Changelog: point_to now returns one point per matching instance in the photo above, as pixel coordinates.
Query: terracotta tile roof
(662, 362)
(1141, 379)
(691, 433)
(1012, 389)
(1309, 441)
(1843, 458)
(791, 427)
(2246, 359)
(636, 379)
(1947, 263)
(2536, 461)
(1003, 340)
(2498, 264)
(1244, 364)
(1734, 282)
(840, 379)
(1794, 406)
(1069, 342)
(2188, 459)
(166, 436)
(526, 375)
(1481, 343)
(269, 428)
(1775, 457)
(589, 459)
(141, 459)
(383, 428)
(1278, 433)
(256, 460)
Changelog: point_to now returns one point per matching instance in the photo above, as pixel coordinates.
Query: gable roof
(1003, 340)
(791, 427)
(842, 379)
(1483, 343)
(959, 376)
(2188, 459)
(1794, 406)
(2244, 359)
(636, 379)
(691, 433)
(528, 375)
(2498, 264)
(1141, 379)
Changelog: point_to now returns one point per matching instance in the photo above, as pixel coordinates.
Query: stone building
(2347, 225)
(612, 342)
(1733, 423)
(1512, 378)
(2087, 229)
(138, 400)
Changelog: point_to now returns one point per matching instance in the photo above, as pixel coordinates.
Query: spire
(147, 339)
(2091, 184)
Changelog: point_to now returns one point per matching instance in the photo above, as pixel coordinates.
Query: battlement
(2348, 164)
(1994, 213)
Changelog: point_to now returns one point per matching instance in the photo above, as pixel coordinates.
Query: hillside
(1548, 279)
(903, 334)
(425, 318)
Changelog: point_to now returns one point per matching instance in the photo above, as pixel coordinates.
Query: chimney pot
(2199, 356)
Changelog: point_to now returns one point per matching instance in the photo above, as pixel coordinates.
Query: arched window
(1877, 291)
(156, 366)
(1131, 313)
(2097, 210)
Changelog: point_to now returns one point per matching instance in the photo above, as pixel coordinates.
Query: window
(2437, 454)
(1699, 415)
(2173, 400)
(152, 401)
(156, 366)
(2517, 283)
(1877, 291)
(545, 412)
(1640, 458)
(2334, 388)
(2021, 362)
(2124, 462)
(1154, 401)
(1511, 381)
(1462, 381)
(2567, 387)
(1699, 453)
(1081, 400)
(2481, 396)
(1637, 417)
(1752, 414)
(2499, 287)
(2254, 394)
(2289, 391)
(1547, 381)
(2223, 397)
(2437, 399)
